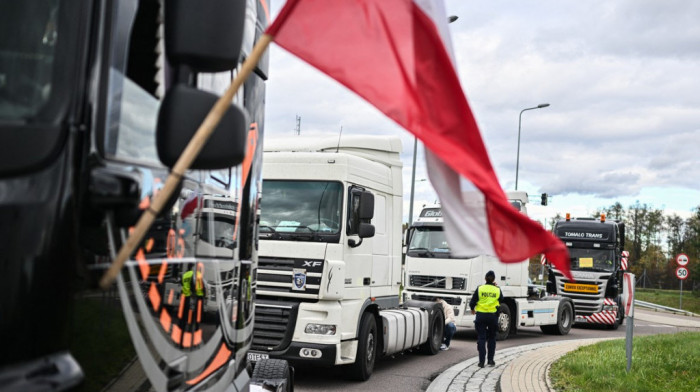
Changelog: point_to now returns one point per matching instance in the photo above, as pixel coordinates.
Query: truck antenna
(339, 135)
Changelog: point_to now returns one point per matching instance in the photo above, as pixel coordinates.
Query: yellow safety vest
(488, 298)
(187, 282)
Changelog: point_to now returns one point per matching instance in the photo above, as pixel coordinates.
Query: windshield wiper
(422, 252)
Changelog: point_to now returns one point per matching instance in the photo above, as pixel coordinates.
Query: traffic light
(544, 199)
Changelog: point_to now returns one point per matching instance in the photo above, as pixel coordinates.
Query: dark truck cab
(597, 265)
(97, 100)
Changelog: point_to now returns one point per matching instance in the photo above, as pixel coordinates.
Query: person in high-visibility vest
(484, 303)
(191, 310)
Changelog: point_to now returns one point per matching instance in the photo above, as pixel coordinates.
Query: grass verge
(691, 302)
(659, 363)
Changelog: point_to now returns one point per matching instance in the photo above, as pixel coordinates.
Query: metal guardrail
(654, 306)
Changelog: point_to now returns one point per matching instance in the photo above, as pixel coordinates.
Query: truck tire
(436, 329)
(366, 349)
(620, 316)
(565, 319)
(273, 372)
(504, 322)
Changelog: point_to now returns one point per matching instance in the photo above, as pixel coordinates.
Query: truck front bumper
(301, 353)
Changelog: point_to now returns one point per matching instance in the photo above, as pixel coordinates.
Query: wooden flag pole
(184, 162)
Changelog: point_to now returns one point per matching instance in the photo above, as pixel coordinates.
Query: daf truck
(431, 270)
(97, 100)
(329, 271)
(598, 263)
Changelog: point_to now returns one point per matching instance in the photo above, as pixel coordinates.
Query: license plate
(581, 288)
(580, 319)
(254, 357)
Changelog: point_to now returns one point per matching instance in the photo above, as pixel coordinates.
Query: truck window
(298, 210)
(429, 241)
(592, 259)
(28, 37)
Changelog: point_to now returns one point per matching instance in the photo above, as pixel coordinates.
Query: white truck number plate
(254, 357)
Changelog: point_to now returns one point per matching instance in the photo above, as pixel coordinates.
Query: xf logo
(309, 263)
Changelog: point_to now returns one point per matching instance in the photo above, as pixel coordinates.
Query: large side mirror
(205, 35)
(181, 113)
(366, 206)
(366, 230)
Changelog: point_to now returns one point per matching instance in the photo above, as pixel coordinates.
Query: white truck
(432, 271)
(329, 268)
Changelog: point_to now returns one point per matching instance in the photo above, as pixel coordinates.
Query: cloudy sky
(622, 79)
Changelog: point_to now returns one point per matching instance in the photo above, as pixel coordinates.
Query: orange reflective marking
(189, 316)
(145, 203)
(154, 295)
(177, 334)
(170, 244)
(199, 311)
(265, 8)
(149, 245)
(170, 296)
(245, 168)
(187, 340)
(221, 357)
(143, 264)
(163, 269)
(182, 306)
(197, 337)
(165, 320)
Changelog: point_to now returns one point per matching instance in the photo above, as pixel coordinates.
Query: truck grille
(274, 325)
(276, 278)
(585, 303)
(437, 282)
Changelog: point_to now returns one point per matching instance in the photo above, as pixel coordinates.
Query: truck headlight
(320, 329)
(610, 308)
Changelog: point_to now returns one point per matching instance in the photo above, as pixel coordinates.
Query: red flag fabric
(393, 54)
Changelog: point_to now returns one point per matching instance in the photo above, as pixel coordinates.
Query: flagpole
(194, 147)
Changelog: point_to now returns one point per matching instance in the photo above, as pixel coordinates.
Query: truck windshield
(28, 36)
(429, 241)
(591, 259)
(301, 210)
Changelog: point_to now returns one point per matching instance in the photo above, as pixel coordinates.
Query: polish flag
(397, 55)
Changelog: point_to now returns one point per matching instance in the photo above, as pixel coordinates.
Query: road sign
(682, 273)
(682, 259)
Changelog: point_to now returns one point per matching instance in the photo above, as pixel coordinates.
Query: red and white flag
(396, 54)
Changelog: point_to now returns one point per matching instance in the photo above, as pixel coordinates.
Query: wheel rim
(503, 322)
(370, 348)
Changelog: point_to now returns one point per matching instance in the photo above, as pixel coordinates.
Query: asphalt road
(414, 371)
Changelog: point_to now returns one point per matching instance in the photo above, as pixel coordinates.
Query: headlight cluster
(320, 329)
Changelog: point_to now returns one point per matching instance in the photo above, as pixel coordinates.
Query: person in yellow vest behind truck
(484, 303)
(190, 312)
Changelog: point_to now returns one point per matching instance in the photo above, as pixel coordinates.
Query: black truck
(97, 100)
(597, 264)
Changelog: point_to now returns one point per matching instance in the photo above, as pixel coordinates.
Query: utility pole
(297, 128)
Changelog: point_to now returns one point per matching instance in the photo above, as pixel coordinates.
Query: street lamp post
(520, 118)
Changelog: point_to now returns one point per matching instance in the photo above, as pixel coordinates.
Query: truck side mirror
(366, 230)
(366, 206)
(205, 35)
(181, 113)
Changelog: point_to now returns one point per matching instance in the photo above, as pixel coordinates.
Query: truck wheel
(274, 373)
(366, 349)
(436, 329)
(565, 318)
(619, 318)
(504, 322)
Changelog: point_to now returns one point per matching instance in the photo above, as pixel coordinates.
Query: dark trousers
(450, 330)
(486, 328)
